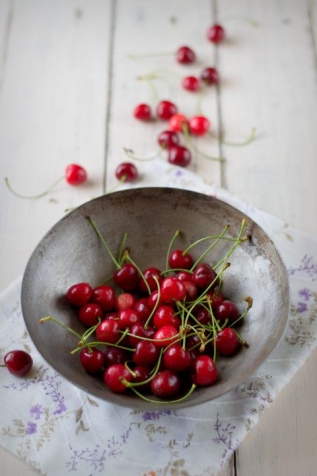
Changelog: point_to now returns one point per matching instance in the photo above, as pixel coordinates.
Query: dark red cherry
(209, 76)
(167, 139)
(18, 362)
(180, 260)
(226, 310)
(176, 358)
(185, 55)
(227, 341)
(142, 306)
(115, 355)
(203, 371)
(79, 294)
(204, 275)
(165, 316)
(165, 384)
(126, 172)
(146, 353)
(104, 295)
(108, 331)
(165, 110)
(127, 277)
(216, 33)
(179, 155)
(152, 276)
(90, 313)
(137, 332)
(92, 360)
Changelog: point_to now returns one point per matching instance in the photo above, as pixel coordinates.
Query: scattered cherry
(191, 83)
(199, 125)
(179, 155)
(209, 76)
(185, 55)
(216, 33)
(142, 112)
(126, 172)
(165, 110)
(178, 122)
(168, 139)
(18, 362)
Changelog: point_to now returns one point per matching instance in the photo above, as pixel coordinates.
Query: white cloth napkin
(59, 429)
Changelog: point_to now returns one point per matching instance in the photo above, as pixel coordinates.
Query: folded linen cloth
(58, 429)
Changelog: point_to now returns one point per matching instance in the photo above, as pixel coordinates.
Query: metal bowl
(71, 252)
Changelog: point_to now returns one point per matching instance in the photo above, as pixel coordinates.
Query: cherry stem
(190, 143)
(175, 236)
(116, 186)
(32, 197)
(247, 141)
(156, 304)
(249, 301)
(218, 238)
(69, 329)
(155, 371)
(122, 251)
(150, 400)
(103, 242)
(130, 154)
(128, 258)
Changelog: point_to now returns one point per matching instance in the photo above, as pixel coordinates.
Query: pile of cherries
(157, 332)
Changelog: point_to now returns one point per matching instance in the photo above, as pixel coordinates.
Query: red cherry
(150, 275)
(142, 112)
(128, 317)
(146, 353)
(178, 122)
(209, 76)
(167, 139)
(126, 172)
(227, 341)
(203, 371)
(138, 331)
(165, 384)
(124, 301)
(176, 358)
(79, 294)
(166, 109)
(155, 299)
(141, 373)
(113, 377)
(172, 289)
(75, 174)
(191, 290)
(180, 260)
(179, 155)
(90, 313)
(184, 276)
(142, 306)
(199, 125)
(108, 331)
(104, 295)
(226, 310)
(18, 362)
(191, 83)
(127, 277)
(216, 33)
(203, 316)
(165, 316)
(92, 359)
(185, 55)
(115, 355)
(165, 336)
(204, 275)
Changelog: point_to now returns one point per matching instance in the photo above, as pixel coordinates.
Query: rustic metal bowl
(71, 252)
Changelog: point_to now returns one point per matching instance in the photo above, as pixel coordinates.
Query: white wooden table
(67, 91)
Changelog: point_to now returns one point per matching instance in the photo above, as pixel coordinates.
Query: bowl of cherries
(155, 297)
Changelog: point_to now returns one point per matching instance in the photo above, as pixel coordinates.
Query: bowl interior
(71, 252)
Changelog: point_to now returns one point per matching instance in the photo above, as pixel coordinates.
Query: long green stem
(104, 242)
(178, 400)
(32, 197)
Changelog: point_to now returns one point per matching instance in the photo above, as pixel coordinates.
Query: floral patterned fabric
(58, 429)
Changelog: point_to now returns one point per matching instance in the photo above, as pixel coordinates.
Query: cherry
(155, 299)
(150, 275)
(184, 276)
(179, 155)
(115, 355)
(138, 331)
(165, 316)
(104, 295)
(215, 298)
(191, 291)
(191, 83)
(146, 353)
(124, 301)
(142, 306)
(185, 55)
(226, 310)
(75, 174)
(165, 384)
(209, 76)
(203, 316)
(90, 313)
(108, 331)
(114, 376)
(178, 122)
(126, 172)
(176, 358)
(141, 373)
(92, 359)
(167, 139)
(204, 275)
(172, 289)
(142, 112)
(199, 125)
(126, 277)
(203, 371)
(227, 341)
(18, 362)
(79, 294)
(165, 336)
(216, 33)
(166, 109)
(128, 317)
(180, 260)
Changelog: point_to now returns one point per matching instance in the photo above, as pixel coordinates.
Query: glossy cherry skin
(141, 373)
(127, 277)
(227, 341)
(185, 55)
(165, 384)
(124, 301)
(168, 139)
(226, 310)
(127, 318)
(191, 83)
(142, 306)
(176, 358)
(172, 289)
(79, 294)
(165, 336)
(155, 299)
(151, 276)
(137, 332)
(126, 172)
(184, 276)
(216, 33)
(191, 291)
(75, 174)
(166, 109)
(179, 155)
(203, 371)
(165, 316)
(180, 260)
(92, 360)
(142, 112)
(146, 353)
(178, 122)
(90, 313)
(115, 355)
(209, 76)
(199, 125)
(204, 275)
(18, 362)
(108, 331)
(113, 377)
(104, 295)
